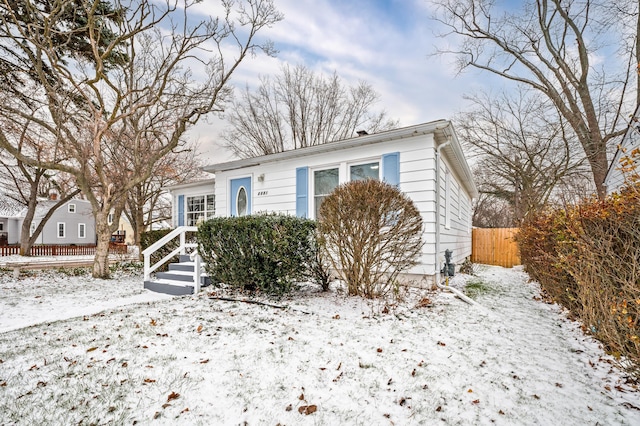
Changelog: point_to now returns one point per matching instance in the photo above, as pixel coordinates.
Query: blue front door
(240, 196)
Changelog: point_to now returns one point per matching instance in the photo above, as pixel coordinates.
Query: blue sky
(385, 42)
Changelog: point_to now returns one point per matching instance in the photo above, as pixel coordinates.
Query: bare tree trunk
(101, 259)
(25, 232)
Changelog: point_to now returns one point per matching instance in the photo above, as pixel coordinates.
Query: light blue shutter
(391, 168)
(302, 189)
(180, 210)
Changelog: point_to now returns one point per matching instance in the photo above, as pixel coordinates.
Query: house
(192, 202)
(425, 161)
(625, 161)
(124, 233)
(72, 223)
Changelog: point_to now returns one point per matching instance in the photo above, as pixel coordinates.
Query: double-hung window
(61, 230)
(324, 182)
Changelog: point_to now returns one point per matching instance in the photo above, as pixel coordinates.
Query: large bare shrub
(605, 263)
(587, 258)
(371, 232)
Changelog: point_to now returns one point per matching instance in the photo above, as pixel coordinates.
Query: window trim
(244, 211)
(71, 207)
(207, 214)
(82, 234)
(312, 185)
(63, 229)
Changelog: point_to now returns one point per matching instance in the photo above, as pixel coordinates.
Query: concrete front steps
(178, 280)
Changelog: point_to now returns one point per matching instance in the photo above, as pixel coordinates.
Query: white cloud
(387, 47)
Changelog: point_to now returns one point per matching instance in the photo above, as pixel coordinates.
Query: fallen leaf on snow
(172, 396)
(91, 349)
(476, 401)
(307, 409)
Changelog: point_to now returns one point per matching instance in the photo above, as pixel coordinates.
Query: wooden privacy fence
(62, 250)
(495, 246)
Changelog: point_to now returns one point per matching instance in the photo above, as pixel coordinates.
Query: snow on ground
(203, 361)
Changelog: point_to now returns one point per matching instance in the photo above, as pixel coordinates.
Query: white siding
(277, 191)
(274, 189)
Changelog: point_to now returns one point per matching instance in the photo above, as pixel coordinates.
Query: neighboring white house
(426, 162)
(631, 141)
(71, 223)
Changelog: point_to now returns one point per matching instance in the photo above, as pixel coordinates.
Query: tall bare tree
(299, 108)
(523, 152)
(28, 185)
(146, 203)
(111, 123)
(553, 46)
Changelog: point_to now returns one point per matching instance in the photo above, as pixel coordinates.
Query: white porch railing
(181, 249)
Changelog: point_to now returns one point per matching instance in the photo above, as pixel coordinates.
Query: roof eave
(331, 146)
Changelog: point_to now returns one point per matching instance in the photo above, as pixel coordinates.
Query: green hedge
(267, 253)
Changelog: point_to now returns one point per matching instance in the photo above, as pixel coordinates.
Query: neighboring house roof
(442, 130)
(14, 209)
(45, 204)
(10, 207)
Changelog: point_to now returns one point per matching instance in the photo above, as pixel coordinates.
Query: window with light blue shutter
(180, 210)
(302, 192)
(391, 168)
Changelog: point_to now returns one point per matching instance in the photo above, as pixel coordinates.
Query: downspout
(458, 293)
(438, 149)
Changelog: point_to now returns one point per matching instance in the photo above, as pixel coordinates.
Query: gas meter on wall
(449, 268)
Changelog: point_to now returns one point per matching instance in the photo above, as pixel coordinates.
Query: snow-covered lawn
(109, 352)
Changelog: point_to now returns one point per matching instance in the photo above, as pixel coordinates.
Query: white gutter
(446, 287)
